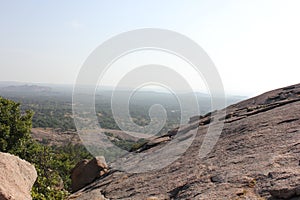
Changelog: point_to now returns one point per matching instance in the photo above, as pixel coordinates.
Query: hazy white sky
(254, 44)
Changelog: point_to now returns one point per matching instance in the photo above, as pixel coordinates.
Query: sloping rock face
(16, 178)
(256, 157)
(87, 171)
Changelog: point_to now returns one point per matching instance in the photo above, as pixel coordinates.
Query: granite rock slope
(256, 157)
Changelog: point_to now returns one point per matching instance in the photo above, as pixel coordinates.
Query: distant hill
(25, 88)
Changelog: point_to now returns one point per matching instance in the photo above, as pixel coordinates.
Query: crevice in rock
(173, 193)
(288, 121)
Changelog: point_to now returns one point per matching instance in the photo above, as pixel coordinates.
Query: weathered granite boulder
(86, 171)
(17, 177)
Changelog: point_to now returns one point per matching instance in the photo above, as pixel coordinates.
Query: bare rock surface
(285, 183)
(17, 177)
(256, 157)
(87, 171)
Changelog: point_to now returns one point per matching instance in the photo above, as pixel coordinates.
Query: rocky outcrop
(256, 157)
(87, 171)
(16, 178)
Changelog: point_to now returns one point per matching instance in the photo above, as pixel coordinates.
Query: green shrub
(53, 164)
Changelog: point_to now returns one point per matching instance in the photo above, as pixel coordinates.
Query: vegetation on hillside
(56, 112)
(53, 164)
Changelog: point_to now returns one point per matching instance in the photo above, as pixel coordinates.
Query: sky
(254, 44)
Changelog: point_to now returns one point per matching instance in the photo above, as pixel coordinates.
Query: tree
(15, 138)
(14, 127)
(53, 164)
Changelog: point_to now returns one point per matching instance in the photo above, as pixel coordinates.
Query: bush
(15, 139)
(14, 126)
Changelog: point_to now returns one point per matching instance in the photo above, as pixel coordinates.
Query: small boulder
(17, 177)
(86, 171)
